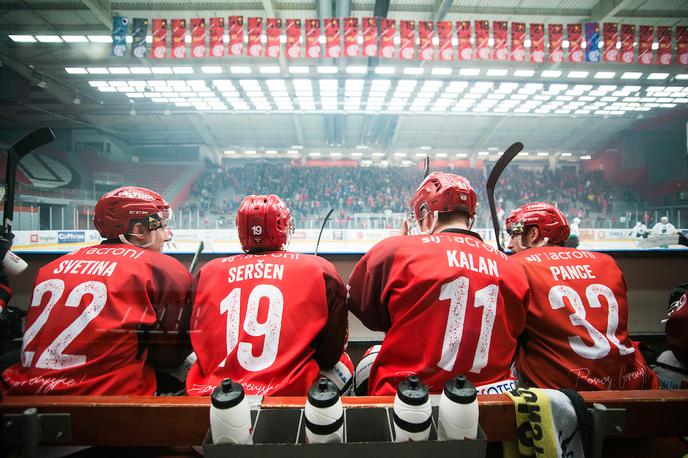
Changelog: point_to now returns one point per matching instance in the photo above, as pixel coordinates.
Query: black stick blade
(33, 140)
(322, 228)
(492, 180)
(197, 254)
(426, 167)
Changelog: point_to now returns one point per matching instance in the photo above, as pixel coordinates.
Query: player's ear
(428, 222)
(138, 230)
(533, 236)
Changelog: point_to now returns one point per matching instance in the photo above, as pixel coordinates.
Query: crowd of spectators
(312, 191)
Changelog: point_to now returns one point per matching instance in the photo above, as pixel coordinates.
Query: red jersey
(677, 330)
(84, 330)
(268, 321)
(449, 303)
(576, 332)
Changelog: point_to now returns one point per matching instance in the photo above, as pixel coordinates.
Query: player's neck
(452, 225)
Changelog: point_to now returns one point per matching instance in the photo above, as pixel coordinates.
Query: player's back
(576, 333)
(82, 327)
(256, 319)
(449, 304)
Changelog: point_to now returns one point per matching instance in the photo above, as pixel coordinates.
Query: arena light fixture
(577, 74)
(441, 154)
(524, 73)
(469, 72)
(483, 153)
(356, 69)
(119, 70)
(49, 38)
(657, 76)
(97, 70)
(336, 154)
(681, 76)
(183, 70)
(314, 154)
(441, 71)
(22, 38)
(107, 89)
(586, 157)
(208, 69)
(98, 83)
(229, 152)
(461, 155)
(413, 71)
(271, 152)
(542, 154)
(76, 70)
(299, 69)
(565, 154)
(497, 72)
(292, 152)
(75, 38)
(380, 70)
(550, 74)
(327, 69)
(631, 75)
(250, 152)
(140, 70)
(161, 70)
(604, 75)
(240, 69)
(99, 38)
(378, 154)
(269, 69)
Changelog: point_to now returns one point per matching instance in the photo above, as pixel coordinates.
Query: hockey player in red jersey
(448, 302)
(103, 317)
(576, 335)
(269, 319)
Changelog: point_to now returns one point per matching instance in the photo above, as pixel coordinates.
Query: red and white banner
(351, 47)
(575, 36)
(387, 29)
(627, 43)
(518, 41)
(463, 31)
(254, 47)
(611, 37)
(197, 37)
(664, 49)
(426, 30)
(216, 40)
(556, 43)
(682, 44)
(500, 32)
(159, 46)
(179, 38)
(645, 56)
(273, 28)
(407, 43)
(292, 30)
(482, 40)
(313, 38)
(369, 36)
(236, 35)
(537, 43)
(333, 38)
(444, 36)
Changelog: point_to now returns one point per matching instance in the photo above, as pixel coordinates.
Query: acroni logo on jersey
(71, 236)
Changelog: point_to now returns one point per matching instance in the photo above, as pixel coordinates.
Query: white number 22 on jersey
(600, 347)
(53, 357)
(457, 293)
(231, 305)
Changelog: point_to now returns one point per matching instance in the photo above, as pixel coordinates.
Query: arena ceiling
(63, 76)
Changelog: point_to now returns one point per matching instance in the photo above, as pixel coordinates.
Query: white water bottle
(13, 264)
(412, 411)
(458, 413)
(230, 416)
(324, 414)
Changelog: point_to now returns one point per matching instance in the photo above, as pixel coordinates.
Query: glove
(11, 323)
(5, 245)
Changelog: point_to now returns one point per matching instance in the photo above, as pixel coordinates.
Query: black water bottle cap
(460, 389)
(412, 391)
(227, 394)
(323, 393)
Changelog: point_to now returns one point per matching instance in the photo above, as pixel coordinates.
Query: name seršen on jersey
(259, 269)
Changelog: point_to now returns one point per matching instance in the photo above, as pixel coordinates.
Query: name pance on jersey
(81, 267)
(258, 270)
(574, 272)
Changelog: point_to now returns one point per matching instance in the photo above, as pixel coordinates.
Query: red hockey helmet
(117, 211)
(264, 223)
(549, 220)
(443, 192)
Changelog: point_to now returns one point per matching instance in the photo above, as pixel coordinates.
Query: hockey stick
(426, 167)
(322, 228)
(196, 257)
(492, 180)
(21, 148)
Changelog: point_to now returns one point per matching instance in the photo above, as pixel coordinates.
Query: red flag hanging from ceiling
(351, 47)
(426, 31)
(197, 37)
(482, 40)
(500, 32)
(575, 35)
(159, 31)
(556, 40)
(178, 38)
(387, 29)
(664, 49)
(645, 44)
(463, 31)
(444, 36)
(369, 36)
(236, 35)
(407, 36)
(537, 43)
(627, 43)
(254, 32)
(273, 28)
(611, 37)
(333, 38)
(518, 41)
(682, 44)
(293, 33)
(217, 32)
(313, 38)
